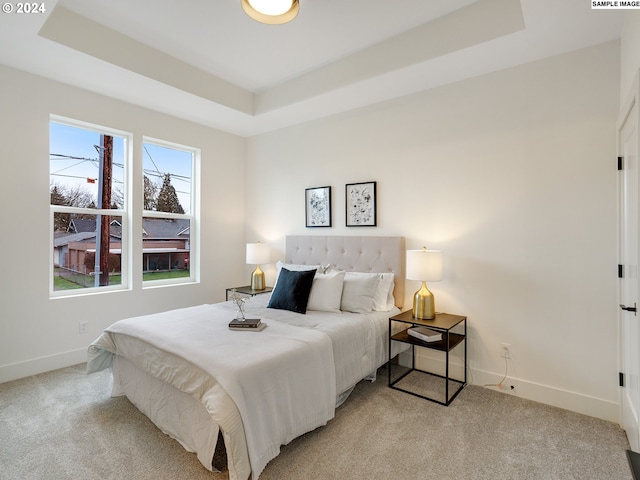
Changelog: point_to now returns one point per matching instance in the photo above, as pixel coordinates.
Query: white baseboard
(557, 397)
(573, 401)
(35, 366)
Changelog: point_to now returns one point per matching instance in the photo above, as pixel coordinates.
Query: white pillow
(292, 267)
(326, 291)
(358, 291)
(383, 300)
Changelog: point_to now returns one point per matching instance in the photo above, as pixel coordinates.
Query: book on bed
(246, 323)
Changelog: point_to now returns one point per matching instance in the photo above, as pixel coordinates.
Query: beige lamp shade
(257, 254)
(426, 266)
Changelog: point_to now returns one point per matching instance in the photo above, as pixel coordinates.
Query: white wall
(513, 176)
(510, 174)
(39, 334)
(629, 52)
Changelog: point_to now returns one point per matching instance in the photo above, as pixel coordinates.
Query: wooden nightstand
(248, 291)
(454, 335)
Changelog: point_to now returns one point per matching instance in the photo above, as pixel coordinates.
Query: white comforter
(284, 380)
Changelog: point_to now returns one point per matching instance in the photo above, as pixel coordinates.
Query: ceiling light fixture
(271, 12)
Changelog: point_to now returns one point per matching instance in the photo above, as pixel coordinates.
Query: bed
(204, 384)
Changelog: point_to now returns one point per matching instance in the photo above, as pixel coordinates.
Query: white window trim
(124, 213)
(193, 216)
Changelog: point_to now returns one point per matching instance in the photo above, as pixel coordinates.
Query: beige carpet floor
(64, 425)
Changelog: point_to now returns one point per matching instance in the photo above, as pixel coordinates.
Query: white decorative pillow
(383, 300)
(292, 267)
(358, 291)
(326, 291)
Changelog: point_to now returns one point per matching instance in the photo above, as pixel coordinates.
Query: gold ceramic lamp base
(424, 305)
(257, 279)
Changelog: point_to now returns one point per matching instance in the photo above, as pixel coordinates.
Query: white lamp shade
(424, 265)
(258, 253)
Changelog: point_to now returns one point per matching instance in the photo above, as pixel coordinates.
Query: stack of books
(249, 324)
(425, 334)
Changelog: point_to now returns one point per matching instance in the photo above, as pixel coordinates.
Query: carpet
(64, 425)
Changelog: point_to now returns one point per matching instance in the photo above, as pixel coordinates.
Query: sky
(74, 162)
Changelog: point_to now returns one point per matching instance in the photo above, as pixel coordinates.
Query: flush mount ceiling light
(272, 12)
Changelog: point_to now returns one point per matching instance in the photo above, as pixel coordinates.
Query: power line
(66, 168)
(94, 161)
(72, 157)
(151, 158)
(152, 173)
(85, 159)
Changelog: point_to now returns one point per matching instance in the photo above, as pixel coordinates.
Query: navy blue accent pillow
(292, 290)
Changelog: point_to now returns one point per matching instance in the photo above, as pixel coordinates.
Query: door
(628, 287)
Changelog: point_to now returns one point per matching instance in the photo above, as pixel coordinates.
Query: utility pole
(103, 234)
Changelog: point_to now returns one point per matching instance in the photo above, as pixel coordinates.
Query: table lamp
(426, 266)
(258, 253)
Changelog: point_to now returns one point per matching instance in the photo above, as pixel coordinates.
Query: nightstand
(454, 335)
(248, 291)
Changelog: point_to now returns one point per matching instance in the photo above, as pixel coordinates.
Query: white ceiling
(206, 61)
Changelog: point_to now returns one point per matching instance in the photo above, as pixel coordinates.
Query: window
(89, 201)
(91, 213)
(169, 204)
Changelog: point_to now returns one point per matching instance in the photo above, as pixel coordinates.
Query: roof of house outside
(161, 228)
(63, 240)
(78, 225)
(152, 228)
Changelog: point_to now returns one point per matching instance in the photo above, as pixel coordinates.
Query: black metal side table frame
(443, 323)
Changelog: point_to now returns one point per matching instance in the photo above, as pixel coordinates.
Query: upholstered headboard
(352, 254)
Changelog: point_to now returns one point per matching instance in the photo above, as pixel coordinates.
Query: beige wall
(512, 175)
(39, 334)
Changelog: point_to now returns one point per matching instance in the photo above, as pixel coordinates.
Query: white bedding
(283, 381)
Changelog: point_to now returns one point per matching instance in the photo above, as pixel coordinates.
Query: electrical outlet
(83, 327)
(506, 350)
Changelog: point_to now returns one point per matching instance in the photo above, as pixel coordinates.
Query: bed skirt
(176, 414)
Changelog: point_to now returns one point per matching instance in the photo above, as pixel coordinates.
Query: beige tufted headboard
(352, 254)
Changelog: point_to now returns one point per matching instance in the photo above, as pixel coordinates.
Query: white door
(629, 293)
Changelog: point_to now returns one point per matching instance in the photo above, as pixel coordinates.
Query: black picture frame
(317, 207)
(360, 201)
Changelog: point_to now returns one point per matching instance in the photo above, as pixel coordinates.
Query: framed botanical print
(318, 206)
(360, 200)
